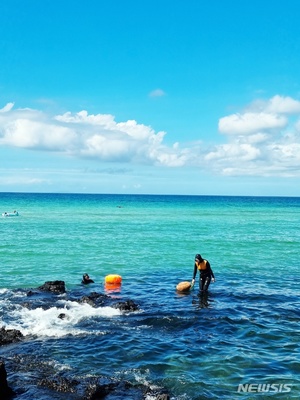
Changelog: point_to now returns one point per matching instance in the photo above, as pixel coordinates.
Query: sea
(240, 340)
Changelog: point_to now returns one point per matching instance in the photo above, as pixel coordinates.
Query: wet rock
(60, 384)
(94, 299)
(62, 316)
(156, 394)
(57, 287)
(8, 336)
(123, 390)
(43, 380)
(5, 391)
(31, 293)
(100, 391)
(128, 305)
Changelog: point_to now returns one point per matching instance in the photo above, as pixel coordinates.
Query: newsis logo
(264, 388)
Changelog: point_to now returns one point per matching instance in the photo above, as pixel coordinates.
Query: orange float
(111, 287)
(183, 286)
(113, 279)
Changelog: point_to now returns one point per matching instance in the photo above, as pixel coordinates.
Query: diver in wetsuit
(206, 273)
(86, 279)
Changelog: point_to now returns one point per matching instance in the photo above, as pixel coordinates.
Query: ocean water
(244, 331)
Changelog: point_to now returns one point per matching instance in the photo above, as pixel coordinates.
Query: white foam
(45, 323)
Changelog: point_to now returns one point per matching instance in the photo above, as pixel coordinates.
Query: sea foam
(56, 321)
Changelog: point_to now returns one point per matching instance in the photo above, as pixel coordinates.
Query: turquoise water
(245, 331)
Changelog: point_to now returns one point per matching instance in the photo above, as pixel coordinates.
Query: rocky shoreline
(46, 377)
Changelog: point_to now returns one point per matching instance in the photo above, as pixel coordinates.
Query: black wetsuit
(205, 276)
(85, 281)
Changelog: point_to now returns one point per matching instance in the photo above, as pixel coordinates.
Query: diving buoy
(113, 279)
(112, 287)
(183, 286)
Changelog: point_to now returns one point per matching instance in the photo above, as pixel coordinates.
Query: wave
(64, 319)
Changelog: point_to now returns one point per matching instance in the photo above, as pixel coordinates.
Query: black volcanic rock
(123, 390)
(60, 384)
(8, 336)
(94, 299)
(57, 287)
(5, 391)
(46, 380)
(127, 305)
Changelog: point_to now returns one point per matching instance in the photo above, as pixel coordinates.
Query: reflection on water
(203, 300)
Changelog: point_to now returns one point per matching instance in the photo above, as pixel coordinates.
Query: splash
(58, 321)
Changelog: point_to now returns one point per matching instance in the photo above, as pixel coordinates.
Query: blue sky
(160, 97)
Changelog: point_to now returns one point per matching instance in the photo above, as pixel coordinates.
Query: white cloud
(250, 122)
(82, 117)
(283, 105)
(157, 93)
(262, 141)
(7, 108)
(29, 133)
(275, 105)
(87, 136)
(234, 153)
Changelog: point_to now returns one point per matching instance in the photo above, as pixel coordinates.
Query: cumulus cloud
(280, 105)
(87, 136)
(249, 123)
(263, 140)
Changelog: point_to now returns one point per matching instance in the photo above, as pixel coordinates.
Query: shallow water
(244, 331)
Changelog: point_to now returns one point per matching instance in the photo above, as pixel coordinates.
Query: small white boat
(10, 214)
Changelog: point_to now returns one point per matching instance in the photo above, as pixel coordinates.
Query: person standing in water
(206, 273)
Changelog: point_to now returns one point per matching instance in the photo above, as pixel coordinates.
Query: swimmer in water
(86, 279)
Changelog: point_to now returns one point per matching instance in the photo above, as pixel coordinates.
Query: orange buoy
(113, 279)
(112, 287)
(183, 286)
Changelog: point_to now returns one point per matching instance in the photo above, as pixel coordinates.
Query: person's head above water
(198, 258)
(86, 279)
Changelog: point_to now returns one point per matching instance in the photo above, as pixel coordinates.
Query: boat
(10, 214)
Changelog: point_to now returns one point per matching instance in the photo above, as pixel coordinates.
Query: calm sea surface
(245, 331)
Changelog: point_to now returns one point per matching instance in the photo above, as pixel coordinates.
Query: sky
(190, 97)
